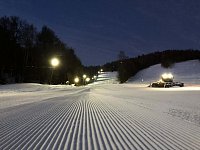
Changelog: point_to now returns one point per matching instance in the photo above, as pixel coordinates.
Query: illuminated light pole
(84, 77)
(76, 80)
(54, 63)
(94, 78)
(87, 80)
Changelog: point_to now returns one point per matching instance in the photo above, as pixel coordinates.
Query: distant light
(95, 77)
(167, 76)
(76, 80)
(54, 62)
(87, 79)
(101, 70)
(84, 76)
(170, 75)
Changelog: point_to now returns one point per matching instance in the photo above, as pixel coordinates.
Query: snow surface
(107, 78)
(187, 72)
(102, 115)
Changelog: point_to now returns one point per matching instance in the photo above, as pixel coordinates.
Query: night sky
(99, 29)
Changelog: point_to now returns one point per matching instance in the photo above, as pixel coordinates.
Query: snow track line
(98, 130)
(22, 118)
(169, 131)
(170, 134)
(65, 130)
(117, 133)
(42, 142)
(36, 128)
(85, 120)
(110, 116)
(22, 126)
(106, 127)
(107, 143)
(139, 131)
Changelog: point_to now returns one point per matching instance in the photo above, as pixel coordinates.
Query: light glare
(167, 76)
(87, 79)
(76, 80)
(54, 62)
(84, 76)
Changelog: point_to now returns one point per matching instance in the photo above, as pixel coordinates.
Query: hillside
(187, 72)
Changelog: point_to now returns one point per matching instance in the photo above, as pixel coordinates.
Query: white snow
(104, 115)
(107, 78)
(19, 94)
(187, 72)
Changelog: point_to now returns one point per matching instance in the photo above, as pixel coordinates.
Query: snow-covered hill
(106, 78)
(187, 72)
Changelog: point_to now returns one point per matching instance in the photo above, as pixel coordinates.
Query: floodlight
(84, 76)
(76, 80)
(54, 62)
(87, 79)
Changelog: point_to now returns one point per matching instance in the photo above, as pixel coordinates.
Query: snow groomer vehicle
(166, 81)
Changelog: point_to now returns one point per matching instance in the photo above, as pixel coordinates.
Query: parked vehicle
(166, 81)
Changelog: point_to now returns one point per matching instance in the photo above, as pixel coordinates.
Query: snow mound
(28, 87)
(187, 72)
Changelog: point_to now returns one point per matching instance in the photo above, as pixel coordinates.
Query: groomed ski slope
(99, 116)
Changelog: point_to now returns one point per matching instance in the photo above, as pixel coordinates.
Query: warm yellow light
(87, 79)
(84, 76)
(164, 76)
(54, 62)
(170, 76)
(76, 80)
(167, 76)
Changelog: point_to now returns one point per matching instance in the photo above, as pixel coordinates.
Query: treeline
(25, 54)
(129, 67)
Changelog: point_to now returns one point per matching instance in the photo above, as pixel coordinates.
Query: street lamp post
(76, 80)
(84, 77)
(54, 63)
(87, 80)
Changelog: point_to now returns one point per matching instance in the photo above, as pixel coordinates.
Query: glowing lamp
(54, 62)
(87, 79)
(84, 76)
(76, 80)
(167, 77)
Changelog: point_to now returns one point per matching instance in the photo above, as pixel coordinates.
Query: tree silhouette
(25, 53)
